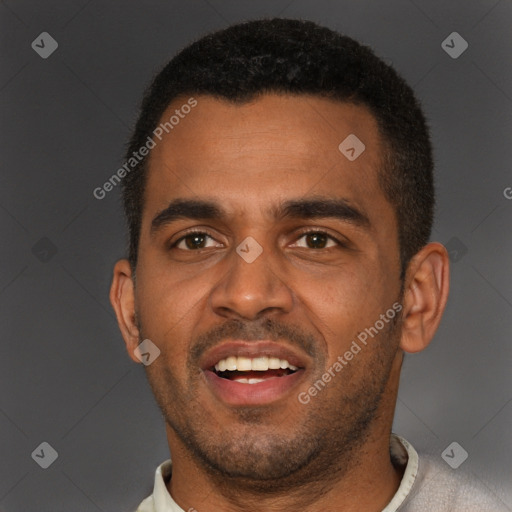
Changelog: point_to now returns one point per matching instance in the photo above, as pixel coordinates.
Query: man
(280, 207)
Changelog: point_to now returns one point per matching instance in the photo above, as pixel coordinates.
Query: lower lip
(238, 393)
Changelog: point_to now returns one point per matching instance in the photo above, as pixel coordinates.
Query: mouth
(248, 370)
(252, 373)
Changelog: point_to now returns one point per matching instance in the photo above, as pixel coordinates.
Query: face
(265, 249)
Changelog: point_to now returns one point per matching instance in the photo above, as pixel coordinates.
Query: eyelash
(301, 234)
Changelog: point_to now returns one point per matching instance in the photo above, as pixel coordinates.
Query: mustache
(265, 329)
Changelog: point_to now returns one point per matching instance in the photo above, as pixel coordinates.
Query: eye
(318, 240)
(197, 240)
(194, 240)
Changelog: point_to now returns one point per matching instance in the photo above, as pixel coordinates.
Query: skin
(332, 453)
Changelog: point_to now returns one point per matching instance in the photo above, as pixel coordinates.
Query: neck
(369, 485)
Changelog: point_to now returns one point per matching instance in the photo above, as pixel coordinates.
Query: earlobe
(425, 297)
(122, 298)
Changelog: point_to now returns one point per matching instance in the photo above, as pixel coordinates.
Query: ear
(425, 296)
(122, 298)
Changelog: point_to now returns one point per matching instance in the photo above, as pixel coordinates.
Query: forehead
(266, 150)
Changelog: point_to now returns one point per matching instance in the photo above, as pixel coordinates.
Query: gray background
(66, 378)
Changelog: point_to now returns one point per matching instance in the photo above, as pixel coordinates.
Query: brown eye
(317, 240)
(194, 241)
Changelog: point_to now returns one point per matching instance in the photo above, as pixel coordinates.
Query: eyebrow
(305, 208)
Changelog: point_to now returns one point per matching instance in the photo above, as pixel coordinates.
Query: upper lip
(251, 349)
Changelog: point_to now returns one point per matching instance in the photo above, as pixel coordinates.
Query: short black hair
(296, 57)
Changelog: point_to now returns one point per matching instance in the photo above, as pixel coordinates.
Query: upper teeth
(244, 364)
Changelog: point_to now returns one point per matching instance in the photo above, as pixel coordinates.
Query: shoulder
(148, 505)
(438, 487)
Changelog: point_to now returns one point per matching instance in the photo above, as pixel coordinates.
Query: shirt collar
(401, 450)
(163, 500)
(404, 452)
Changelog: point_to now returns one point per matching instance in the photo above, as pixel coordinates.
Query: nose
(250, 290)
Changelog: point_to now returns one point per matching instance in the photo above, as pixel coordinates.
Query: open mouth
(246, 370)
(255, 373)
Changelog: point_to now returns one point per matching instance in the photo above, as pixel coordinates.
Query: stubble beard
(255, 455)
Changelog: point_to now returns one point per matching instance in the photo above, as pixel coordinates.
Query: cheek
(168, 309)
(343, 304)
